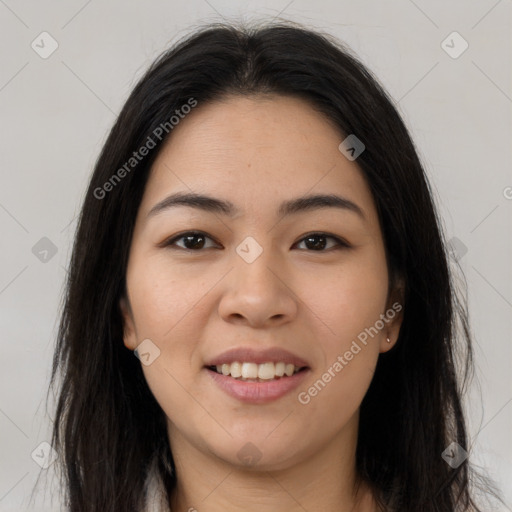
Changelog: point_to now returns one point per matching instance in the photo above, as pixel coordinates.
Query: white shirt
(155, 493)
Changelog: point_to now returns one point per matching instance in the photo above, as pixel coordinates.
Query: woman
(259, 232)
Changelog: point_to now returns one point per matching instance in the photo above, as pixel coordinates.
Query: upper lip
(250, 355)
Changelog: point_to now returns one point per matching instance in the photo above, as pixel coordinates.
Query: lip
(257, 392)
(250, 355)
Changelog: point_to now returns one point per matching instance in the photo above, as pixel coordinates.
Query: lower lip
(258, 392)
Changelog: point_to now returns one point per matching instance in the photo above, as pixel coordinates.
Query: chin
(254, 452)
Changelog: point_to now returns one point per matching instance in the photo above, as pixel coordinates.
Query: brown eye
(192, 241)
(317, 241)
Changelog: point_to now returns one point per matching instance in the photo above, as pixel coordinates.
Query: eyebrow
(289, 207)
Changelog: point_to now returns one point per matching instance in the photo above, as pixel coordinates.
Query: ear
(393, 317)
(129, 334)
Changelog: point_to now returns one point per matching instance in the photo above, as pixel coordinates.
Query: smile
(257, 376)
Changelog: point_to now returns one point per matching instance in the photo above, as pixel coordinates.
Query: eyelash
(171, 241)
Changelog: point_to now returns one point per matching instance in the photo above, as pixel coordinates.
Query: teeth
(249, 370)
(236, 370)
(265, 371)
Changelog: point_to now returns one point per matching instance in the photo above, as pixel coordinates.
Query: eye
(317, 241)
(193, 240)
(196, 240)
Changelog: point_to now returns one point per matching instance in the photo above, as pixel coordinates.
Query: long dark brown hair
(109, 428)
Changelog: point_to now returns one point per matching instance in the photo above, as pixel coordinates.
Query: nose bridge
(256, 291)
(253, 264)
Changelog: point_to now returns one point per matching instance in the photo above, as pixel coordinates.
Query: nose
(258, 294)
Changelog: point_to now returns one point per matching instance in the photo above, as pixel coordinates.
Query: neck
(324, 480)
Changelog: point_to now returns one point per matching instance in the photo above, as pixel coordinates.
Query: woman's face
(262, 284)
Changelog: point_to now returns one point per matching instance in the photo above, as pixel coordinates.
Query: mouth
(257, 384)
(257, 376)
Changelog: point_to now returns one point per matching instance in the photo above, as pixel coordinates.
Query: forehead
(257, 152)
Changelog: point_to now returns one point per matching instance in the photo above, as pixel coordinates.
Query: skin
(257, 152)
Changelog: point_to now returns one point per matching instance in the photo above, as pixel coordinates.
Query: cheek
(179, 400)
(167, 311)
(350, 303)
(347, 301)
(164, 294)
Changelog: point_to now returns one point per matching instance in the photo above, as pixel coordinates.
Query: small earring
(388, 340)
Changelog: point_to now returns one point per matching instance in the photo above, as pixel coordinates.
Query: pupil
(196, 245)
(318, 246)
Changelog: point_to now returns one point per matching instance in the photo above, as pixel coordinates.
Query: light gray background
(55, 114)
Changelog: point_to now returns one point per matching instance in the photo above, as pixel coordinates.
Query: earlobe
(388, 344)
(392, 331)
(129, 337)
(394, 315)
